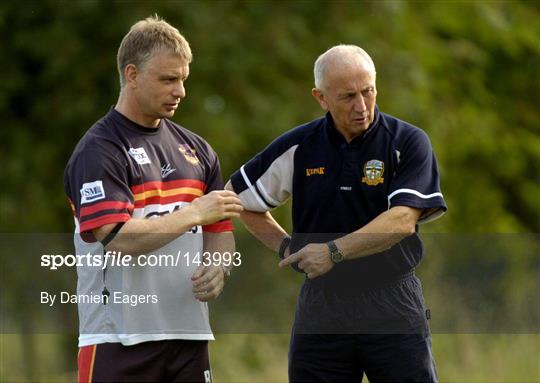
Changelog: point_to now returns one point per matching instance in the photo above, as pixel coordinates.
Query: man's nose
(360, 104)
(179, 91)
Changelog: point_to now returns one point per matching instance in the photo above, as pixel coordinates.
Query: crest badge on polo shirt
(373, 172)
(189, 154)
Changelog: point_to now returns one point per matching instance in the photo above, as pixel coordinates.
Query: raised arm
(380, 234)
(140, 236)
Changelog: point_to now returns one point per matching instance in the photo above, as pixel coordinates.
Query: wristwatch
(335, 254)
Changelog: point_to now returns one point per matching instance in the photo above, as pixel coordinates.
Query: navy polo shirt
(338, 187)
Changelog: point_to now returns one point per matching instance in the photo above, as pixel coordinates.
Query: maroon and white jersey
(121, 170)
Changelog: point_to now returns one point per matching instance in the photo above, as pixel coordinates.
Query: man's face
(159, 87)
(350, 95)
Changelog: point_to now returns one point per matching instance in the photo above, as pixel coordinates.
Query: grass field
(263, 358)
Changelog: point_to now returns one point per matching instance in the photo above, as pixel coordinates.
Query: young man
(361, 182)
(141, 185)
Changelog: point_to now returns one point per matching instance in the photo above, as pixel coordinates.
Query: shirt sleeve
(416, 182)
(97, 187)
(265, 181)
(214, 181)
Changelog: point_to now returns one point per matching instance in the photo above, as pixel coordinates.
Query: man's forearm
(219, 242)
(380, 234)
(221, 247)
(141, 236)
(264, 227)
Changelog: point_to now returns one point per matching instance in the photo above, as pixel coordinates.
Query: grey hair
(346, 54)
(147, 37)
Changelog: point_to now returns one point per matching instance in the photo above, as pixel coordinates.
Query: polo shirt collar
(337, 138)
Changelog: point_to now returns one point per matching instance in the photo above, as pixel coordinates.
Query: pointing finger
(290, 259)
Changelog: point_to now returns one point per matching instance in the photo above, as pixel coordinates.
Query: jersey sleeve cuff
(219, 227)
(103, 220)
(433, 204)
(248, 194)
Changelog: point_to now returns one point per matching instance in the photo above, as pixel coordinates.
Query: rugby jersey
(121, 170)
(338, 187)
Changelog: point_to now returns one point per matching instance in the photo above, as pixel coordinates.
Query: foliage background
(467, 72)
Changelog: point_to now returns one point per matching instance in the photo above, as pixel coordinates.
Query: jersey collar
(132, 125)
(337, 138)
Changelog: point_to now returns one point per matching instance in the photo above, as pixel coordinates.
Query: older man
(361, 181)
(141, 184)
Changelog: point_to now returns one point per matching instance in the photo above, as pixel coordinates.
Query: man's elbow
(409, 223)
(409, 229)
(406, 219)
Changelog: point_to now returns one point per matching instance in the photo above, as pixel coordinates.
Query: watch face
(337, 256)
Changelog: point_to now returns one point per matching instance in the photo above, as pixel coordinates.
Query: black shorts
(382, 333)
(173, 360)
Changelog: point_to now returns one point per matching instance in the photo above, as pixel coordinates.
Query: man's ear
(130, 74)
(319, 96)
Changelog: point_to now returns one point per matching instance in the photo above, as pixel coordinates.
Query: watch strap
(332, 246)
(283, 247)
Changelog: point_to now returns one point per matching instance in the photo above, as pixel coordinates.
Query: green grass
(487, 357)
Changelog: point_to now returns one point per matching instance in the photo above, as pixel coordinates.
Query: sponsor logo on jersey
(139, 155)
(92, 191)
(166, 170)
(373, 172)
(315, 171)
(189, 154)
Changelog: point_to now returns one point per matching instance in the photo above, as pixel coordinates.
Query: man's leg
(398, 358)
(188, 361)
(403, 354)
(323, 358)
(113, 362)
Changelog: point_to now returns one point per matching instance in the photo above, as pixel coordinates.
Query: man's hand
(208, 282)
(314, 259)
(215, 206)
